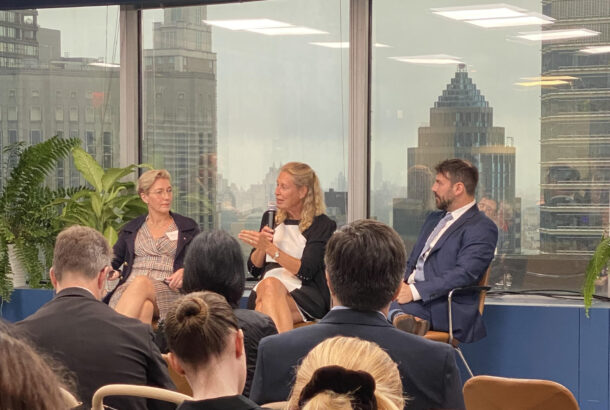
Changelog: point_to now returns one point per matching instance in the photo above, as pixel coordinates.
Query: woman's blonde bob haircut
(148, 179)
(313, 203)
(353, 354)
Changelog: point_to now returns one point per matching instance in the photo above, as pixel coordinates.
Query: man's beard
(442, 204)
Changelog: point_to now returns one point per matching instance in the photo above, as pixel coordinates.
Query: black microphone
(271, 212)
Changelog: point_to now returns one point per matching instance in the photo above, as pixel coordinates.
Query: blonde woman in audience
(26, 381)
(207, 346)
(347, 373)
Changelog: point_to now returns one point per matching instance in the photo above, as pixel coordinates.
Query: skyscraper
(575, 130)
(461, 126)
(180, 116)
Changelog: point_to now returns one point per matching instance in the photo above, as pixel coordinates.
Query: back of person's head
(82, 251)
(214, 262)
(459, 170)
(198, 327)
(26, 381)
(365, 262)
(347, 373)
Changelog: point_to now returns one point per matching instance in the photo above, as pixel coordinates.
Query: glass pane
(523, 94)
(59, 75)
(225, 108)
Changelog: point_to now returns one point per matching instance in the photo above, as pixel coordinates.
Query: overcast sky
(281, 98)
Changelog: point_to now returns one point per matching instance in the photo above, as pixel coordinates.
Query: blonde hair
(313, 203)
(352, 354)
(148, 178)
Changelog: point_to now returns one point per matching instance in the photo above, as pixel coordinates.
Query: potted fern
(28, 221)
(108, 203)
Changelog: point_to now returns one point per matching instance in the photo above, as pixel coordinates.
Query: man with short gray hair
(99, 345)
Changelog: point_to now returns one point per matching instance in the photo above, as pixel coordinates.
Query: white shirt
(455, 216)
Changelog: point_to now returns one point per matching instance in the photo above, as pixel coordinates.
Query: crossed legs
(138, 300)
(273, 299)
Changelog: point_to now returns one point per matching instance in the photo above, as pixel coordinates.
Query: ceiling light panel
(529, 20)
(429, 59)
(550, 35)
(484, 11)
(287, 31)
(247, 24)
(596, 50)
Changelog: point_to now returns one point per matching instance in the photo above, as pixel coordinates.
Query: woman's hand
(258, 240)
(175, 280)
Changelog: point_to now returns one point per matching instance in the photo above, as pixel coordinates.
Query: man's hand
(405, 295)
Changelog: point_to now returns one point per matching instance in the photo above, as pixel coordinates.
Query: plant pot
(19, 274)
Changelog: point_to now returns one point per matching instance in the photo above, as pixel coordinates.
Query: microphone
(271, 212)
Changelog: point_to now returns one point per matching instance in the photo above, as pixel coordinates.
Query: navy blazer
(428, 371)
(124, 248)
(459, 258)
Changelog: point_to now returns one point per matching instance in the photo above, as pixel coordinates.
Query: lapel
(355, 317)
(423, 237)
(469, 214)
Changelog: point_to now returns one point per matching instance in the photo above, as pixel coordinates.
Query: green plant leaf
(88, 167)
(596, 264)
(111, 235)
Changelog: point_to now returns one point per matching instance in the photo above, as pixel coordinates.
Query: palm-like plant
(109, 204)
(28, 220)
(596, 265)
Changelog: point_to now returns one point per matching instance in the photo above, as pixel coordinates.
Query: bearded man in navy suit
(454, 249)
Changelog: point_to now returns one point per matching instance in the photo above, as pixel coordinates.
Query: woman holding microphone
(290, 256)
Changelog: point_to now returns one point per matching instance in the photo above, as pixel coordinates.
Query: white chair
(138, 391)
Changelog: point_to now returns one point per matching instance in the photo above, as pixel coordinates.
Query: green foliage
(108, 204)
(28, 218)
(596, 264)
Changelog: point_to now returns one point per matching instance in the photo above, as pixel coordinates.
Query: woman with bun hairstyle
(207, 346)
(345, 373)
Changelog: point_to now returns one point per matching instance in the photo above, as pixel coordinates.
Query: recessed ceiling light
(429, 59)
(287, 31)
(483, 11)
(111, 65)
(529, 20)
(246, 24)
(596, 49)
(550, 78)
(343, 44)
(549, 35)
(542, 83)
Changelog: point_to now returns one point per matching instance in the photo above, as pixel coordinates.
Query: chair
(138, 391)
(501, 393)
(447, 337)
(182, 385)
(70, 400)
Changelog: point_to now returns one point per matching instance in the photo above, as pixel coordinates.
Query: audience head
(214, 262)
(81, 253)
(365, 262)
(26, 381)
(202, 333)
(347, 373)
(313, 202)
(148, 178)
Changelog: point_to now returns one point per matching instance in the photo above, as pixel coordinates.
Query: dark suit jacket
(220, 403)
(459, 258)
(428, 370)
(99, 345)
(124, 248)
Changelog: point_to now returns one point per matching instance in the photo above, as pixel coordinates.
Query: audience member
(26, 381)
(365, 261)
(207, 346)
(152, 246)
(454, 248)
(291, 257)
(347, 373)
(99, 345)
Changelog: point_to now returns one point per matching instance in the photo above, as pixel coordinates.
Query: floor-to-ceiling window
(232, 92)
(521, 89)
